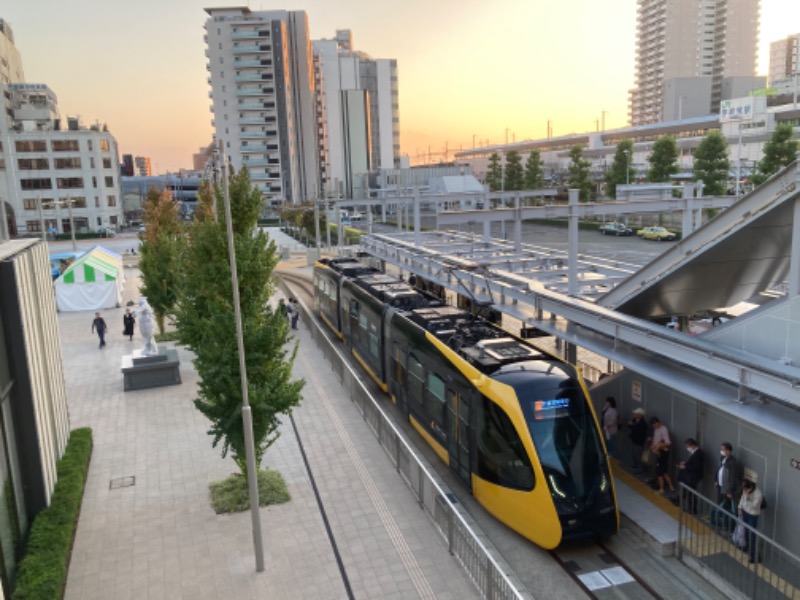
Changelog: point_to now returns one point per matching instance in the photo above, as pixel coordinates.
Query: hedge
(43, 570)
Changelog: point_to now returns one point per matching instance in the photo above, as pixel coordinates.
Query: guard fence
(755, 567)
(492, 580)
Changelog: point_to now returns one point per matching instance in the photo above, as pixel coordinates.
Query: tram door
(458, 434)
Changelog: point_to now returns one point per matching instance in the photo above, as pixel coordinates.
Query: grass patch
(167, 336)
(230, 495)
(43, 569)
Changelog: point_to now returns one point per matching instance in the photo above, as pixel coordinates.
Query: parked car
(657, 233)
(615, 229)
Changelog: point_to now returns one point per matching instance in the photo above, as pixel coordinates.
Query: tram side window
(399, 371)
(354, 308)
(502, 458)
(416, 379)
(373, 343)
(434, 398)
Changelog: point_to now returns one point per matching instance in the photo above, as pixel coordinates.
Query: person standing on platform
(128, 322)
(727, 480)
(637, 433)
(749, 509)
(611, 425)
(660, 446)
(691, 471)
(100, 326)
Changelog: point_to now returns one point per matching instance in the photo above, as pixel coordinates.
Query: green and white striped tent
(92, 282)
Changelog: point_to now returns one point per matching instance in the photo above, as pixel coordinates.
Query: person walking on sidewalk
(128, 322)
(100, 326)
(294, 307)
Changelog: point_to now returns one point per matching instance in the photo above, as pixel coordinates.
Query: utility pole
(247, 415)
(3, 221)
(71, 223)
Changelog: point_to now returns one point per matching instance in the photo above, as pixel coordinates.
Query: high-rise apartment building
(143, 166)
(359, 96)
(262, 90)
(54, 174)
(686, 49)
(784, 58)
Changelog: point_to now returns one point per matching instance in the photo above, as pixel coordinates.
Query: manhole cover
(122, 482)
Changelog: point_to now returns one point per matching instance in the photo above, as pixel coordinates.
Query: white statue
(147, 325)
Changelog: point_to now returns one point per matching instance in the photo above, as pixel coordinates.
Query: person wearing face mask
(610, 420)
(749, 509)
(726, 480)
(691, 471)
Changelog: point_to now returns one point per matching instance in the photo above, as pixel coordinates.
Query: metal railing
(493, 579)
(762, 569)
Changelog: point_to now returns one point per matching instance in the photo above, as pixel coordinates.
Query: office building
(262, 91)
(55, 174)
(689, 54)
(354, 87)
(34, 419)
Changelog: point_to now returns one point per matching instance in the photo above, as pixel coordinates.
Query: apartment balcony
(249, 91)
(250, 106)
(244, 35)
(247, 77)
(253, 149)
(250, 49)
(252, 135)
(258, 120)
(254, 162)
(246, 63)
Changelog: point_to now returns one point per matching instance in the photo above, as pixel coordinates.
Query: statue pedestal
(140, 372)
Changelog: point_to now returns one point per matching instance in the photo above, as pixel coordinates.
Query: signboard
(770, 91)
(737, 109)
(636, 390)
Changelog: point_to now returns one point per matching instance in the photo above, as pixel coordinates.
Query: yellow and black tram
(515, 425)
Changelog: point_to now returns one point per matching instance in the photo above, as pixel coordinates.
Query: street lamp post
(739, 160)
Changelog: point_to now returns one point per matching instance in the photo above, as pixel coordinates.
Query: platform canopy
(92, 282)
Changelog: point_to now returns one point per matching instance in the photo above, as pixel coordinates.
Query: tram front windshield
(566, 439)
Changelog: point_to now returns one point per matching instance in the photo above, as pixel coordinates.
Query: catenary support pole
(247, 417)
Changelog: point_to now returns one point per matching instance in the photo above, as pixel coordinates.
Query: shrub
(43, 569)
(231, 495)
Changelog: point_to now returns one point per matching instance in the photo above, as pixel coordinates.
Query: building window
(44, 183)
(77, 201)
(31, 146)
(91, 162)
(29, 204)
(94, 181)
(91, 145)
(69, 183)
(113, 219)
(33, 226)
(33, 164)
(109, 181)
(104, 145)
(99, 221)
(66, 146)
(112, 201)
(68, 163)
(97, 201)
(106, 162)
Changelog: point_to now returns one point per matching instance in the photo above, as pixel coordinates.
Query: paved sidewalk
(159, 538)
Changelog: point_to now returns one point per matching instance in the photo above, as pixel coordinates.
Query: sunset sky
(468, 69)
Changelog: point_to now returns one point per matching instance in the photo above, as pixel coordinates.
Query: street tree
(160, 253)
(621, 171)
(205, 319)
(711, 164)
(779, 151)
(579, 175)
(663, 160)
(494, 174)
(514, 175)
(534, 171)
